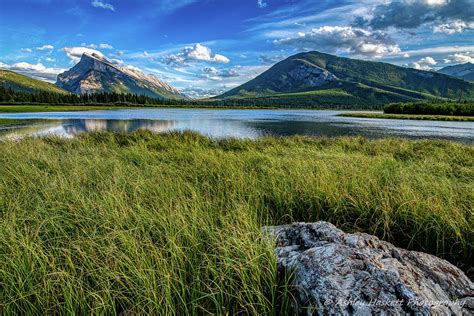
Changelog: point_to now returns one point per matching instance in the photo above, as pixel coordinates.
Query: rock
(335, 273)
(311, 76)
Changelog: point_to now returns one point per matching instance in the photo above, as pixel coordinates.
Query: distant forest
(10, 96)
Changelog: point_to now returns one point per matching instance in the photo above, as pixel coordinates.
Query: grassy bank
(142, 223)
(409, 116)
(59, 108)
(53, 108)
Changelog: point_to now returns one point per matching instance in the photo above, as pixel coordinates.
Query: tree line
(10, 96)
(445, 108)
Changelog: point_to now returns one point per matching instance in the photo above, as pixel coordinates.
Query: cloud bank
(350, 39)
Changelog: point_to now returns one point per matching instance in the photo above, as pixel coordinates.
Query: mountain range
(463, 71)
(305, 79)
(95, 73)
(322, 78)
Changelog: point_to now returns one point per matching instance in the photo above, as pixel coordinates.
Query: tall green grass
(140, 223)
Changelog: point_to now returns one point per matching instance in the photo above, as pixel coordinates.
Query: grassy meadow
(147, 224)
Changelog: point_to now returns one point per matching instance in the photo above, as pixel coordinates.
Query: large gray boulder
(335, 273)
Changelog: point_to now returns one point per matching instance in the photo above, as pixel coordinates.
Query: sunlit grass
(142, 223)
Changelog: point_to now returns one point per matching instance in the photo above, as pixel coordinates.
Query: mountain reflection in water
(73, 127)
(69, 128)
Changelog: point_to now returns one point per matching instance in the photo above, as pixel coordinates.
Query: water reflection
(69, 128)
(73, 127)
(234, 123)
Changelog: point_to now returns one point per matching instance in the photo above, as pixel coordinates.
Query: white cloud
(441, 50)
(464, 58)
(100, 46)
(103, 5)
(198, 92)
(346, 38)
(37, 71)
(428, 60)
(93, 46)
(197, 52)
(453, 27)
(105, 46)
(424, 63)
(28, 50)
(262, 4)
(75, 53)
(436, 2)
(214, 74)
(45, 47)
(210, 70)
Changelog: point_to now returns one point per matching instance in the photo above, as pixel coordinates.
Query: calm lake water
(234, 123)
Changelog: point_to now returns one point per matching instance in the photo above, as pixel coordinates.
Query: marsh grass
(140, 223)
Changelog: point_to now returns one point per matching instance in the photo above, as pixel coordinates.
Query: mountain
(17, 82)
(94, 73)
(463, 71)
(315, 78)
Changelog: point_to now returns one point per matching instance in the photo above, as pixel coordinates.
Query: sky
(206, 47)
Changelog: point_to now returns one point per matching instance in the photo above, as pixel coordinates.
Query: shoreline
(421, 117)
(9, 108)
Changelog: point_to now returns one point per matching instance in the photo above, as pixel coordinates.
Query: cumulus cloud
(75, 53)
(456, 26)
(460, 58)
(197, 52)
(212, 73)
(37, 71)
(354, 40)
(45, 47)
(103, 5)
(28, 50)
(409, 14)
(425, 63)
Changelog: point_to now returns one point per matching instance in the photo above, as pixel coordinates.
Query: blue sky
(205, 47)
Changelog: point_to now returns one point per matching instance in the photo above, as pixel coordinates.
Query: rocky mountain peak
(95, 73)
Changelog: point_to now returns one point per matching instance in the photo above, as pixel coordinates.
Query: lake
(221, 123)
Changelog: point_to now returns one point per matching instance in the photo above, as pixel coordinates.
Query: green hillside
(327, 79)
(17, 82)
(463, 71)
